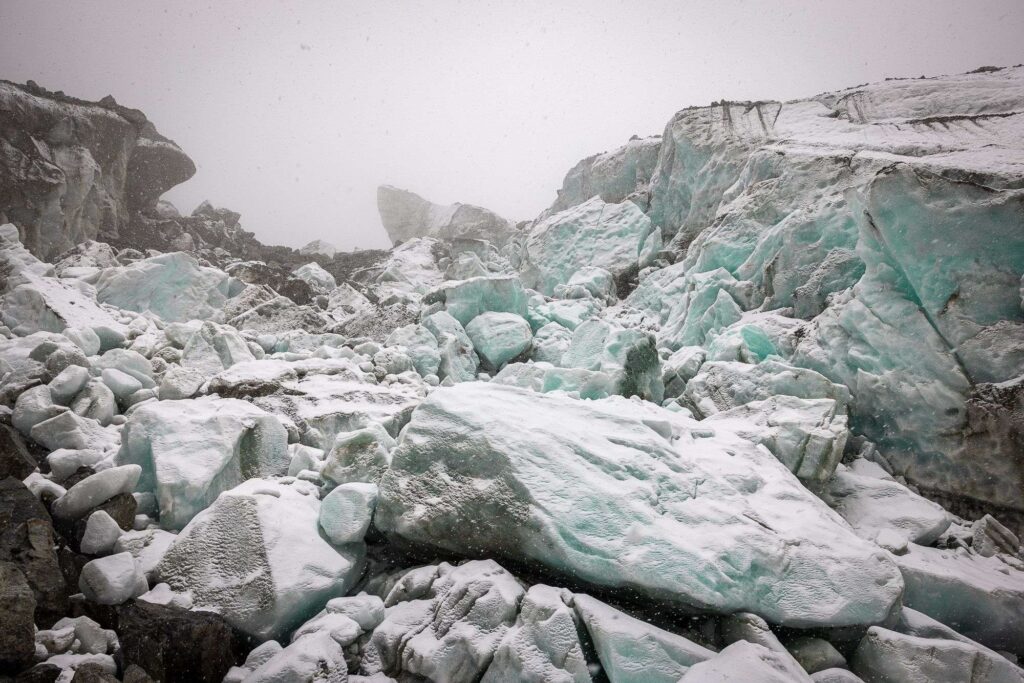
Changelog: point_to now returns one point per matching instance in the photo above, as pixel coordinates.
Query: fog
(295, 112)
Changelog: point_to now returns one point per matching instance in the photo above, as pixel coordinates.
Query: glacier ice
(660, 509)
(593, 233)
(631, 650)
(256, 557)
(544, 644)
(499, 337)
(189, 452)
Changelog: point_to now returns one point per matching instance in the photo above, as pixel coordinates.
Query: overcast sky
(295, 112)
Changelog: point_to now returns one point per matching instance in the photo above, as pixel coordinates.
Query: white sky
(295, 112)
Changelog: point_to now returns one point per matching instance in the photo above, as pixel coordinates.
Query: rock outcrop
(72, 170)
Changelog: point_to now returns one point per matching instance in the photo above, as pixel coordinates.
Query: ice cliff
(745, 403)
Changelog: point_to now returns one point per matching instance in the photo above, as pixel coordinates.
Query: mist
(295, 113)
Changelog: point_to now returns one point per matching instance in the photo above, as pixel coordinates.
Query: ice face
(593, 233)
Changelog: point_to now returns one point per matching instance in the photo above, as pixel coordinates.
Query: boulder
(593, 233)
(633, 650)
(257, 558)
(656, 505)
(190, 451)
(176, 645)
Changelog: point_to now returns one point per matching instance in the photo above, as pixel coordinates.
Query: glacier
(745, 402)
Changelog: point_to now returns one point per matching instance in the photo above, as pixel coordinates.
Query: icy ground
(745, 404)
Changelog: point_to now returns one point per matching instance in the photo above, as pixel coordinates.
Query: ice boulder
(885, 655)
(626, 354)
(872, 505)
(51, 305)
(112, 580)
(656, 505)
(459, 360)
(406, 215)
(451, 630)
(722, 385)
(544, 645)
(314, 657)
(173, 287)
(420, 345)
(807, 435)
(318, 278)
(345, 512)
(96, 489)
(190, 451)
(361, 455)
(979, 597)
(256, 556)
(743, 661)
(499, 337)
(324, 406)
(633, 650)
(593, 233)
(214, 348)
(319, 248)
(466, 299)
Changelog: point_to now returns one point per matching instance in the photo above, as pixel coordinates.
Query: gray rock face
(73, 170)
(27, 540)
(17, 632)
(406, 215)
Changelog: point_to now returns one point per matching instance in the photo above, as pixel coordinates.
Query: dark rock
(174, 645)
(93, 673)
(17, 629)
(72, 170)
(15, 460)
(106, 616)
(83, 472)
(27, 540)
(135, 674)
(155, 166)
(40, 673)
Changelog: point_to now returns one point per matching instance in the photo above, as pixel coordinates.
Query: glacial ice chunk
(658, 506)
(190, 451)
(256, 557)
(499, 337)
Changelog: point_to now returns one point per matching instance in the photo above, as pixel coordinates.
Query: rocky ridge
(745, 403)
